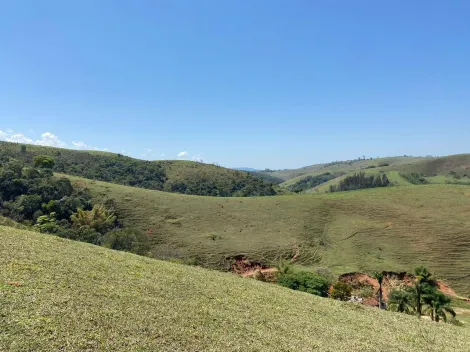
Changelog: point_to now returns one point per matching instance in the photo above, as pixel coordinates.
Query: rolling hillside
(393, 228)
(62, 295)
(340, 167)
(454, 169)
(178, 176)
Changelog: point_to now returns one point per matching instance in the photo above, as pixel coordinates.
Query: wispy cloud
(182, 154)
(19, 138)
(197, 158)
(50, 140)
(47, 139)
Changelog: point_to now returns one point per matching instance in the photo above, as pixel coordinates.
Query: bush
(126, 240)
(305, 281)
(366, 292)
(310, 182)
(341, 291)
(414, 178)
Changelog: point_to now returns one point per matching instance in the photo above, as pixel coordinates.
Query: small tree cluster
(360, 181)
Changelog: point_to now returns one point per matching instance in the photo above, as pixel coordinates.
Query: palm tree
(438, 305)
(380, 278)
(401, 301)
(423, 278)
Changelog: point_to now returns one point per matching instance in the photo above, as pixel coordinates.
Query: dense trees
(171, 176)
(423, 297)
(360, 181)
(53, 205)
(402, 301)
(303, 281)
(310, 182)
(43, 161)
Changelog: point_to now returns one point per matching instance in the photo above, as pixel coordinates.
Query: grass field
(453, 169)
(57, 294)
(393, 228)
(293, 175)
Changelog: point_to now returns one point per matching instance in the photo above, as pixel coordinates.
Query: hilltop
(178, 176)
(79, 297)
(391, 228)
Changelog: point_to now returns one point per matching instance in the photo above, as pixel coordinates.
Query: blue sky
(270, 83)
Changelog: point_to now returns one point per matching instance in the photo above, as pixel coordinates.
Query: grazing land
(57, 294)
(390, 228)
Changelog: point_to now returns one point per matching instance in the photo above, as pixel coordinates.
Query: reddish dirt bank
(391, 281)
(246, 268)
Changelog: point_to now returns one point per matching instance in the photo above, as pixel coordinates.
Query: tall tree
(380, 277)
(423, 278)
(401, 301)
(437, 304)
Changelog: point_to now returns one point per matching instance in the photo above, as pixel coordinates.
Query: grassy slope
(73, 296)
(437, 169)
(391, 228)
(293, 175)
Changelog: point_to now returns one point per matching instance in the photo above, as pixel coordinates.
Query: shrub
(414, 178)
(341, 291)
(305, 281)
(366, 292)
(128, 240)
(258, 275)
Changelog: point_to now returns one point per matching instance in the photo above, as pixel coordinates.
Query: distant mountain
(247, 169)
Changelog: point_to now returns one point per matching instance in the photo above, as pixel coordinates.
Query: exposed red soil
(246, 268)
(391, 280)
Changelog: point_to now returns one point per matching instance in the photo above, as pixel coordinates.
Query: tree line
(310, 182)
(205, 180)
(360, 181)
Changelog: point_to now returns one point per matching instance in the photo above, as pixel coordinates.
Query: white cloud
(149, 150)
(50, 140)
(81, 145)
(198, 158)
(182, 154)
(9, 131)
(3, 136)
(19, 138)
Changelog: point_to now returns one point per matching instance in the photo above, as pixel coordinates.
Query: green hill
(338, 167)
(62, 295)
(178, 176)
(392, 228)
(454, 169)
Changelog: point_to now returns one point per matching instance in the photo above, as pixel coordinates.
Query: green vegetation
(33, 197)
(389, 228)
(172, 176)
(341, 291)
(414, 178)
(310, 182)
(423, 297)
(360, 181)
(304, 281)
(58, 294)
(402, 300)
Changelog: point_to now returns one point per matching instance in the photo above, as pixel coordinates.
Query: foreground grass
(61, 295)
